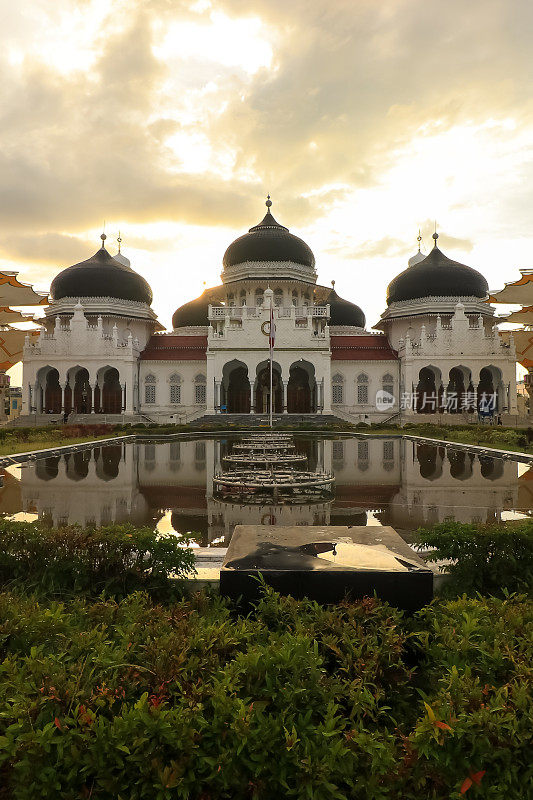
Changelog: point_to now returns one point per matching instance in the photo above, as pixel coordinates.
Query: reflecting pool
(389, 481)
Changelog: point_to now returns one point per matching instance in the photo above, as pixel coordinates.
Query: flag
(272, 331)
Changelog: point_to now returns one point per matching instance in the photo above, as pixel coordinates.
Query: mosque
(102, 351)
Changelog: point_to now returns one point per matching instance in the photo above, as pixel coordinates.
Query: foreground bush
(490, 559)
(137, 701)
(116, 560)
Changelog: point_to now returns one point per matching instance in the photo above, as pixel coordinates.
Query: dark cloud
(47, 248)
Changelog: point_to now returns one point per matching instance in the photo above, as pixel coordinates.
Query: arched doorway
(428, 397)
(235, 388)
(108, 399)
(455, 393)
(238, 394)
(81, 393)
(52, 393)
(490, 397)
(262, 389)
(301, 389)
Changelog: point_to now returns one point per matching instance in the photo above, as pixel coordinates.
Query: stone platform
(326, 563)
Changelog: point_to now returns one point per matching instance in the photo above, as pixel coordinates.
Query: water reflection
(392, 481)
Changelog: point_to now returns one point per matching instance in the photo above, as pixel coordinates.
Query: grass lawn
(12, 448)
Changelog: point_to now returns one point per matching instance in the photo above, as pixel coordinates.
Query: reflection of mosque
(396, 482)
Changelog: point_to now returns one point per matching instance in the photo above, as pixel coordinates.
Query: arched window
(337, 389)
(259, 297)
(388, 383)
(294, 297)
(231, 300)
(175, 389)
(149, 389)
(200, 391)
(243, 297)
(362, 388)
(278, 297)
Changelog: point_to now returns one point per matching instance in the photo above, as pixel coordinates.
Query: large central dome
(101, 275)
(268, 241)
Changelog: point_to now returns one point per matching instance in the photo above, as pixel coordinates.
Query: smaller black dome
(101, 276)
(437, 276)
(342, 312)
(269, 241)
(193, 313)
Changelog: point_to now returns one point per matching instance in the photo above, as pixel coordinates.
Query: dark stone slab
(326, 563)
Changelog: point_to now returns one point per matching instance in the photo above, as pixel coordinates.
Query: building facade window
(388, 383)
(149, 389)
(278, 297)
(362, 388)
(259, 297)
(200, 390)
(175, 389)
(388, 451)
(337, 389)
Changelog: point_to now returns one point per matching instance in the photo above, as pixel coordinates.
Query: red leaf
(442, 725)
(477, 776)
(467, 783)
(57, 723)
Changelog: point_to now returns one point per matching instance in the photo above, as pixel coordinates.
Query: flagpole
(271, 382)
(271, 349)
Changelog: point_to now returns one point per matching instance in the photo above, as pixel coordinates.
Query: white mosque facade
(102, 353)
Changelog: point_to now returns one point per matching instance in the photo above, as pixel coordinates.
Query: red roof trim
(175, 348)
(362, 348)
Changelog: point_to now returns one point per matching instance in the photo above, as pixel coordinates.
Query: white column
(285, 385)
(217, 396)
(63, 388)
(210, 386)
(129, 396)
(123, 396)
(252, 409)
(35, 390)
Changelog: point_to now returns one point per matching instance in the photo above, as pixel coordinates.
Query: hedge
(133, 700)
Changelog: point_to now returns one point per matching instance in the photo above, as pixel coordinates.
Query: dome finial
(435, 236)
(103, 237)
(119, 240)
(419, 239)
(333, 284)
(268, 202)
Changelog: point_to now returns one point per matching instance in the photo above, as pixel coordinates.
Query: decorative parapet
(268, 270)
(463, 335)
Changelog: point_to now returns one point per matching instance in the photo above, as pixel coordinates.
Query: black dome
(193, 313)
(269, 241)
(101, 276)
(342, 312)
(437, 276)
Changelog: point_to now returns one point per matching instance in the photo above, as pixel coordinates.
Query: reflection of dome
(269, 241)
(342, 312)
(436, 275)
(193, 313)
(101, 276)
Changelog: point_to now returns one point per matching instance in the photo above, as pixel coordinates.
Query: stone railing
(280, 312)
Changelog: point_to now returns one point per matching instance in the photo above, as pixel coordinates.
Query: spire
(103, 237)
(119, 240)
(435, 236)
(418, 239)
(268, 202)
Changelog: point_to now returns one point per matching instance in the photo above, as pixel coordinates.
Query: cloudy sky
(171, 120)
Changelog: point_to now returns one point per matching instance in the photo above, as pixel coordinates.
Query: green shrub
(489, 559)
(117, 560)
(189, 700)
